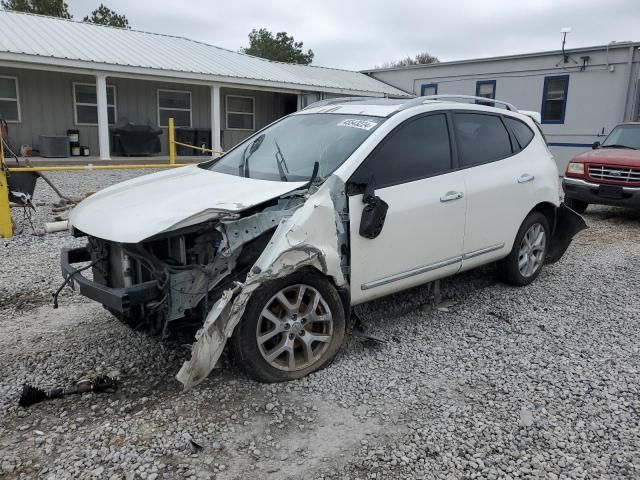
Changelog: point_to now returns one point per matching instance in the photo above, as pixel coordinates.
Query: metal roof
(568, 51)
(39, 39)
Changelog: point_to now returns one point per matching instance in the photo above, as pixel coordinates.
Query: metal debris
(99, 384)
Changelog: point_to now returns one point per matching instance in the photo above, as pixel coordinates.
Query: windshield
(623, 136)
(287, 150)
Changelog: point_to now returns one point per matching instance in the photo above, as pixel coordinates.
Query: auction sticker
(358, 123)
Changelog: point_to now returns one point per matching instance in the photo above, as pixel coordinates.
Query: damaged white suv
(345, 201)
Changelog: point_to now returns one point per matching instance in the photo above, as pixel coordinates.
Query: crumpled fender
(567, 224)
(309, 237)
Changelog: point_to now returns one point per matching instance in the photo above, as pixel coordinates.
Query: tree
(53, 8)
(281, 47)
(105, 16)
(420, 59)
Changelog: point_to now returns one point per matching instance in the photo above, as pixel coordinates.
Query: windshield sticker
(358, 123)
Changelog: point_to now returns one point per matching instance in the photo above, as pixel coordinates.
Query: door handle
(525, 177)
(450, 196)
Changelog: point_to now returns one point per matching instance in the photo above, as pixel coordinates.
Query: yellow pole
(6, 228)
(172, 143)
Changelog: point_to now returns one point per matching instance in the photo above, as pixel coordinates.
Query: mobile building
(57, 75)
(581, 93)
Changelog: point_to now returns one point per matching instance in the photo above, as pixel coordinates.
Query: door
(422, 235)
(500, 179)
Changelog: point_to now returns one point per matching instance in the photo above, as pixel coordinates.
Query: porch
(207, 115)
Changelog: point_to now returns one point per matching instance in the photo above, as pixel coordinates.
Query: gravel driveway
(499, 382)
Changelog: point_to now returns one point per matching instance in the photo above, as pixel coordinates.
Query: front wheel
(524, 263)
(291, 327)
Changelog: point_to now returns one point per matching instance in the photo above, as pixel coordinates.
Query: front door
(423, 233)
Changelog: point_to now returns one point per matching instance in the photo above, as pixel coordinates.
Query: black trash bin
(203, 139)
(131, 139)
(185, 135)
(21, 182)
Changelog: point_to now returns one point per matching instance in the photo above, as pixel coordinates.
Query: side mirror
(373, 214)
(595, 145)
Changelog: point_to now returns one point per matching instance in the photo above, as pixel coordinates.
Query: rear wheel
(576, 205)
(524, 263)
(291, 327)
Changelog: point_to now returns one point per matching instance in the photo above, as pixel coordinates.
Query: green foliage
(58, 8)
(53, 8)
(420, 59)
(281, 47)
(105, 16)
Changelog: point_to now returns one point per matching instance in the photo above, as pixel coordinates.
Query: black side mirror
(595, 145)
(373, 214)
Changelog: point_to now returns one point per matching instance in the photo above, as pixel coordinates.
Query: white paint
(132, 211)
(419, 231)
(373, 110)
(103, 116)
(497, 202)
(216, 126)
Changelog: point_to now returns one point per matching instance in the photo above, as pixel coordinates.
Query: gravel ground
(499, 382)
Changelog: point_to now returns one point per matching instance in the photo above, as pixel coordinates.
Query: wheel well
(549, 211)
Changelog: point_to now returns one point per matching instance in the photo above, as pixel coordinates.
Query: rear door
(500, 178)
(422, 236)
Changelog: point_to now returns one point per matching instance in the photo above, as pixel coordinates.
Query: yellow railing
(173, 143)
(6, 227)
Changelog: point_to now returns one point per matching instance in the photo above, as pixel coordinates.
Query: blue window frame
(429, 89)
(486, 89)
(554, 99)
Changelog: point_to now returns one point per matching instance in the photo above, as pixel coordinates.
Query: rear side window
(417, 149)
(520, 130)
(481, 138)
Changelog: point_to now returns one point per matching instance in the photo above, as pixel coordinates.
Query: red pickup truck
(607, 175)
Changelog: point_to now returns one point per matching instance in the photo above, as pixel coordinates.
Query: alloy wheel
(532, 250)
(295, 328)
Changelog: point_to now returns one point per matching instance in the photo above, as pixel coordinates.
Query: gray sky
(358, 35)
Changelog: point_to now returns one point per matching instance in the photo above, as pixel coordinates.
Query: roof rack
(421, 100)
(334, 101)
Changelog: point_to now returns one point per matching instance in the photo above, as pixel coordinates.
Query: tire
(510, 269)
(578, 206)
(276, 314)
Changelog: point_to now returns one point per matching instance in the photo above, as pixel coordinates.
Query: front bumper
(117, 299)
(579, 189)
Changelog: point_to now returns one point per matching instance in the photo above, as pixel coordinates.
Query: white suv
(345, 201)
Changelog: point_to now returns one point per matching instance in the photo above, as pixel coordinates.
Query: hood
(134, 210)
(610, 156)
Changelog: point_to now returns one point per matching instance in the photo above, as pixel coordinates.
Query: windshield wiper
(281, 162)
(243, 167)
(616, 145)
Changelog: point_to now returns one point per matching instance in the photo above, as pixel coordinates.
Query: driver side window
(419, 148)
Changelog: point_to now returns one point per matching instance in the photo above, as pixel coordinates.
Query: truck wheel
(291, 327)
(578, 206)
(524, 263)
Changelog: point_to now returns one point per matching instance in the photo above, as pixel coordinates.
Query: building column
(300, 101)
(216, 125)
(103, 116)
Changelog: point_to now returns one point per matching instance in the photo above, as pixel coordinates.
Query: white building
(581, 93)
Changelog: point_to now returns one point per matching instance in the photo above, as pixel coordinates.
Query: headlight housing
(575, 168)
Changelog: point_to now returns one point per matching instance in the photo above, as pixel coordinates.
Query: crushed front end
(177, 275)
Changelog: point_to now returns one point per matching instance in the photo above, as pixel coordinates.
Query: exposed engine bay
(191, 267)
